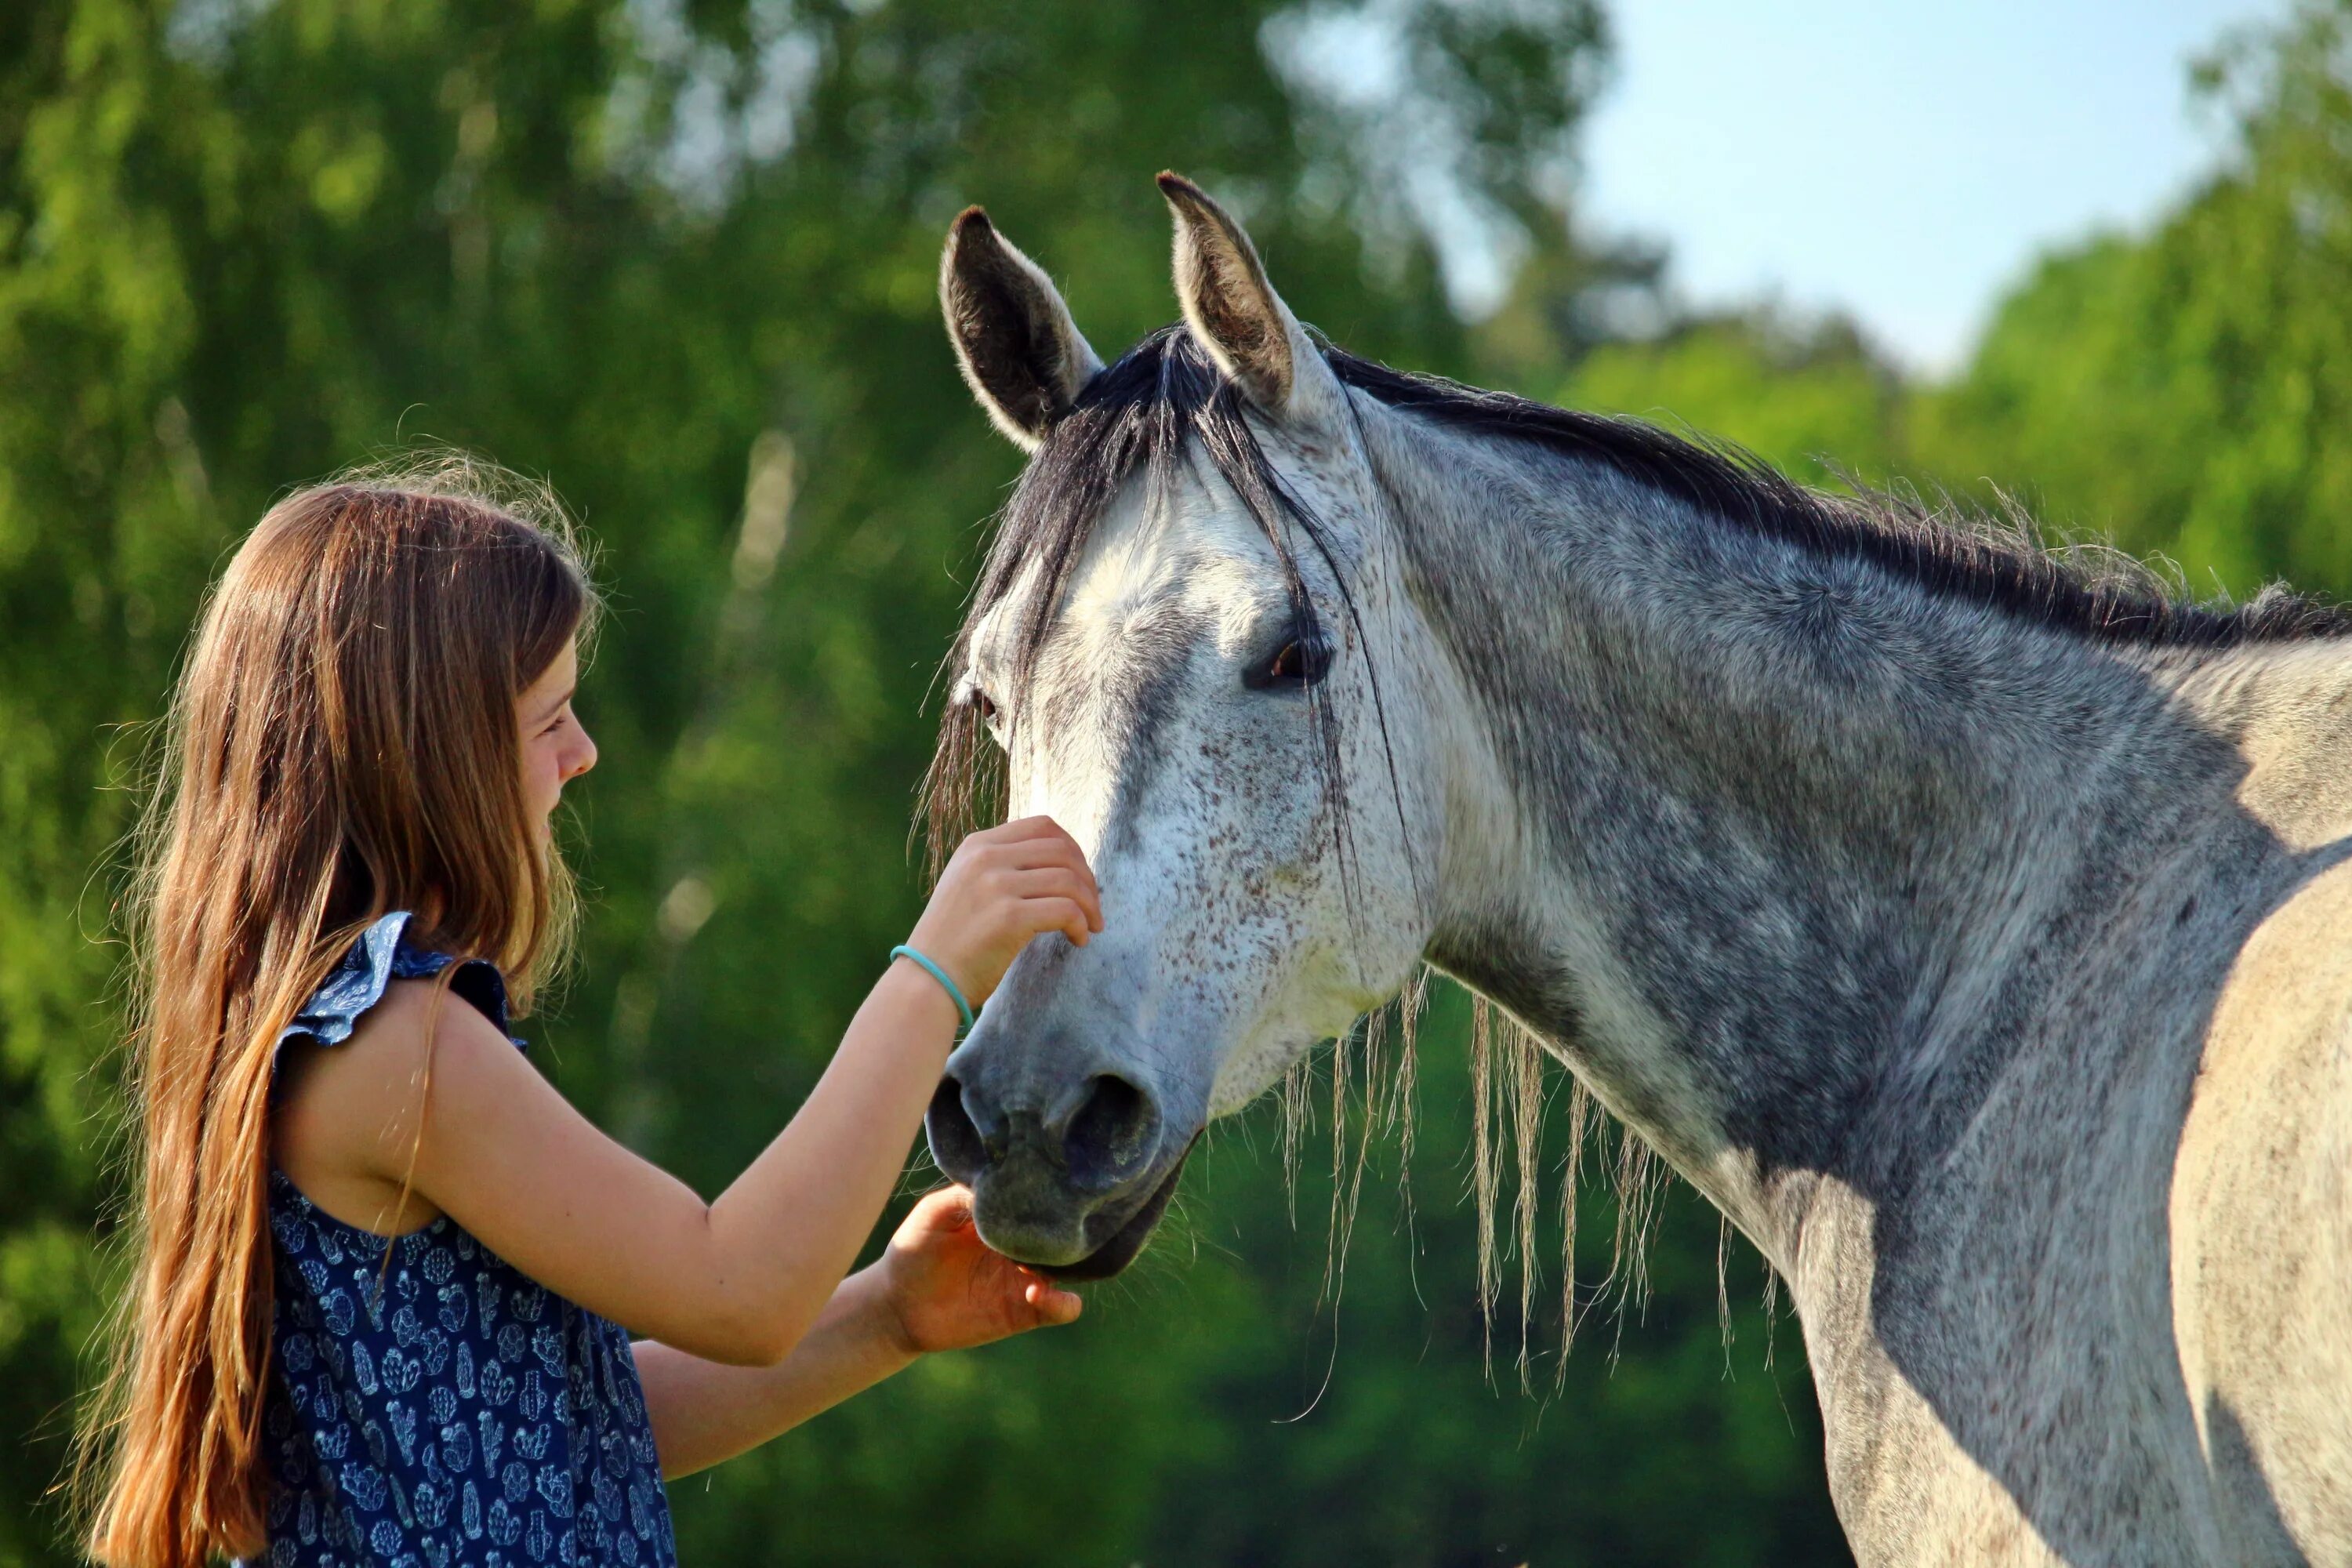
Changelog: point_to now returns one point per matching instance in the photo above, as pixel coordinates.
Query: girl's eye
(1299, 662)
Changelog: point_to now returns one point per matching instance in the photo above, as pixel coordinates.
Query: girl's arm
(937, 1288)
(738, 1280)
(706, 1411)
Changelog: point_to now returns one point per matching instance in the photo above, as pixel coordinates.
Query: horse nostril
(1113, 1133)
(956, 1141)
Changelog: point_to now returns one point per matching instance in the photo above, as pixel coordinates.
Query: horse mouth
(1128, 1241)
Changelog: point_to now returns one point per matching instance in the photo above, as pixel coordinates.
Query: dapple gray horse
(1972, 927)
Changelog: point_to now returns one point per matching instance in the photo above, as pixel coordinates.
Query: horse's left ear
(1022, 356)
(1235, 311)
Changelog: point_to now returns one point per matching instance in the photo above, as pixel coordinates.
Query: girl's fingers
(1026, 829)
(1060, 884)
(1064, 915)
(1036, 854)
(1052, 1304)
(1038, 841)
(944, 1208)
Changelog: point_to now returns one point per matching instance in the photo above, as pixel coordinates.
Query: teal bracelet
(953, 990)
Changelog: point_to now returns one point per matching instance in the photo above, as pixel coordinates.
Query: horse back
(2261, 1217)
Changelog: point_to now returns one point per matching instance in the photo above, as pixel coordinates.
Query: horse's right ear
(1019, 351)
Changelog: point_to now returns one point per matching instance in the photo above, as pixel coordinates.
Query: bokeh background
(678, 257)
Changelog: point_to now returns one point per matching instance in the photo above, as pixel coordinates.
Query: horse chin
(1127, 1243)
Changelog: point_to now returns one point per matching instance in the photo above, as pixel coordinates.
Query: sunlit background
(1902, 164)
(677, 256)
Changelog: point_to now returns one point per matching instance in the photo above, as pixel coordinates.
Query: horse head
(1187, 647)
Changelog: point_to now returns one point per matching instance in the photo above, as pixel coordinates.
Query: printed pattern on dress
(430, 1404)
(447, 1409)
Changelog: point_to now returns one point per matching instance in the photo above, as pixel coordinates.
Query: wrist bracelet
(954, 992)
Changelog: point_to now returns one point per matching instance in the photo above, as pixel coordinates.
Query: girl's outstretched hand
(1001, 887)
(949, 1292)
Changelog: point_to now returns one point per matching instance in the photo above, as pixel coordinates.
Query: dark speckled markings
(1974, 931)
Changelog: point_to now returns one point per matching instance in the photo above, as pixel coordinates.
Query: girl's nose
(583, 758)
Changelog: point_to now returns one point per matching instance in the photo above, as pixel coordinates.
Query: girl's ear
(1021, 355)
(1240, 320)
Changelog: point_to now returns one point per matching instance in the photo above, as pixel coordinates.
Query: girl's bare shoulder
(344, 1119)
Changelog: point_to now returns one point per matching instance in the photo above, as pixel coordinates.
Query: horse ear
(1239, 317)
(1021, 353)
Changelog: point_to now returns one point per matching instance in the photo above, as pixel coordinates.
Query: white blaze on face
(1206, 805)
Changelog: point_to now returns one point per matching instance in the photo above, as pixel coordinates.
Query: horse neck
(1771, 847)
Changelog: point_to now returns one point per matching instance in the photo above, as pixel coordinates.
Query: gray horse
(1970, 925)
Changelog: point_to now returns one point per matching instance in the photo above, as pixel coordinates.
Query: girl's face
(555, 747)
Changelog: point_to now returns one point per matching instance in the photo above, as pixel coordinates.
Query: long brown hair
(342, 743)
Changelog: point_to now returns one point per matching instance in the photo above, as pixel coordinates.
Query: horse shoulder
(2262, 1234)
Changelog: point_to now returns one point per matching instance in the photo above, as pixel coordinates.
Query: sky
(1903, 160)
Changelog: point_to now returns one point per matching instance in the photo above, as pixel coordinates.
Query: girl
(386, 1275)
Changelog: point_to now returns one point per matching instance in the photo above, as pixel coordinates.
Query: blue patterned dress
(441, 1407)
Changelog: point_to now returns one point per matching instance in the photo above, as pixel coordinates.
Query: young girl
(387, 1276)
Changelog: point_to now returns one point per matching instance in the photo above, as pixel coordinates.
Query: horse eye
(983, 706)
(1302, 661)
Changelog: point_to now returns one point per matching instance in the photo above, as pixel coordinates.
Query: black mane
(1166, 389)
(2117, 600)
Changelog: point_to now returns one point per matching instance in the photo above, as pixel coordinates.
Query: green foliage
(1804, 397)
(680, 258)
(2188, 393)
(2191, 392)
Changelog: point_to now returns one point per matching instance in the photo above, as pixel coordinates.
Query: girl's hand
(949, 1291)
(1003, 886)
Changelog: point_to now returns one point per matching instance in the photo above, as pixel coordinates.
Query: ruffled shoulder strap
(383, 955)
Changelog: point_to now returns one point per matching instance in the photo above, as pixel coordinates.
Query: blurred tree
(2188, 393)
(2191, 392)
(1810, 396)
(680, 258)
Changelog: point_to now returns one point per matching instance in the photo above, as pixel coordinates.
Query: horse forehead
(1185, 565)
(1123, 651)
(1189, 549)
(1194, 548)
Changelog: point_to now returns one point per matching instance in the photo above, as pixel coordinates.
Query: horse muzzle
(1068, 1177)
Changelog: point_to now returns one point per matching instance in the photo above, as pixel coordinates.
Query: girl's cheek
(540, 779)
